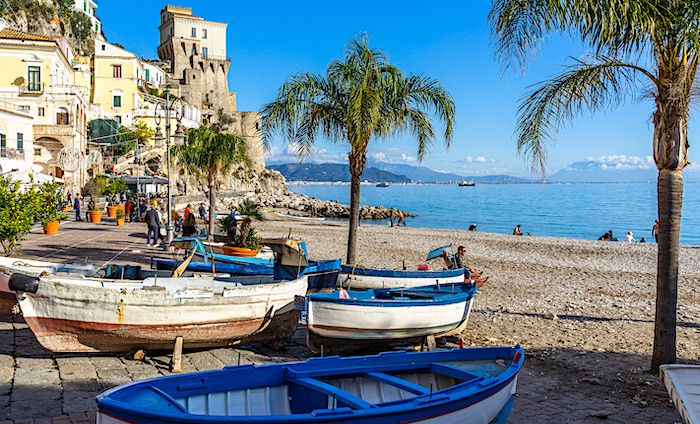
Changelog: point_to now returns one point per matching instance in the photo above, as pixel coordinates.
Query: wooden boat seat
(270, 400)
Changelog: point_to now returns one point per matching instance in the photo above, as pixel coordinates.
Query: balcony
(31, 89)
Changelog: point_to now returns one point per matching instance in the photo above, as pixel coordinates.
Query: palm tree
(210, 155)
(650, 46)
(360, 97)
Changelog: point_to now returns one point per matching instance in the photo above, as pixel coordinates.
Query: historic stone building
(195, 49)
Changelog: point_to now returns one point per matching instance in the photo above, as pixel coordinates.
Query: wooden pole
(176, 361)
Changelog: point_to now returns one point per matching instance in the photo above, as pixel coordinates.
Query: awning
(131, 180)
(25, 177)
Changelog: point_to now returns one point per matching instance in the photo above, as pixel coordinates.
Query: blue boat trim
(444, 294)
(128, 402)
(391, 273)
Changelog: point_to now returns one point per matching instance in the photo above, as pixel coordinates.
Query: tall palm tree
(638, 46)
(360, 98)
(210, 155)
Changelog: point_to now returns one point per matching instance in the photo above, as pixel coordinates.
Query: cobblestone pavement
(40, 387)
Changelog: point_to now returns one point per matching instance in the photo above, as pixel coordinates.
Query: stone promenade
(38, 386)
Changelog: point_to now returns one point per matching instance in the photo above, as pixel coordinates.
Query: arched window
(62, 116)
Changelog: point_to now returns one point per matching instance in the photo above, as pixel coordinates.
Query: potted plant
(49, 208)
(229, 226)
(95, 214)
(112, 211)
(246, 242)
(120, 217)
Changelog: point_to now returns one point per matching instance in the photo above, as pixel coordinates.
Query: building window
(84, 6)
(194, 51)
(148, 75)
(116, 71)
(20, 142)
(34, 78)
(3, 145)
(24, 108)
(103, 47)
(205, 52)
(117, 100)
(204, 33)
(118, 119)
(97, 27)
(42, 111)
(62, 117)
(37, 151)
(194, 32)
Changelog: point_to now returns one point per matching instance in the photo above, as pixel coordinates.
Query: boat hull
(367, 322)
(122, 317)
(365, 279)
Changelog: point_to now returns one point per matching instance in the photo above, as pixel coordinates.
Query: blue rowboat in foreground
(474, 386)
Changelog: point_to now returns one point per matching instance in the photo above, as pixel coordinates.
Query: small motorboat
(475, 386)
(70, 313)
(467, 183)
(388, 314)
(682, 384)
(373, 278)
(383, 184)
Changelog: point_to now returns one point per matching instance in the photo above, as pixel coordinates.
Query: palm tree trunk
(357, 165)
(670, 154)
(212, 209)
(670, 200)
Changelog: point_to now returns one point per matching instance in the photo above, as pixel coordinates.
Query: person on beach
(391, 217)
(517, 231)
(128, 206)
(643, 240)
(76, 205)
(91, 206)
(189, 225)
(605, 236)
(655, 230)
(153, 223)
(472, 227)
(188, 210)
(202, 212)
(402, 219)
(629, 237)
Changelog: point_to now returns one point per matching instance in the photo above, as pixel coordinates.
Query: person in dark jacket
(189, 225)
(153, 224)
(77, 202)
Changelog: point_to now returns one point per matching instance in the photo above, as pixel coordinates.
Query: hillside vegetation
(50, 18)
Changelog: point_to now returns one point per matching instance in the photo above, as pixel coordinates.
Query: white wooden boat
(372, 278)
(683, 385)
(392, 313)
(80, 314)
(9, 266)
(470, 386)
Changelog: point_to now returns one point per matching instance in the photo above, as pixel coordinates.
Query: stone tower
(196, 51)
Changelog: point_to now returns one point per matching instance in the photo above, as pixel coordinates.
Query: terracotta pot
(120, 222)
(239, 251)
(51, 228)
(112, 211)
(95, 216)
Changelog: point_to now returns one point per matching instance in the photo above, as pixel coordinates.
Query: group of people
(398, 219)
(629, 235)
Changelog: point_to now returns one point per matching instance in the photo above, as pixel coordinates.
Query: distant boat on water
(383, 184)
(467, 183)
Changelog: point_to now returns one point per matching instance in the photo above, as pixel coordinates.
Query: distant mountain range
(380, 171)
(594, 171)
(332, 172)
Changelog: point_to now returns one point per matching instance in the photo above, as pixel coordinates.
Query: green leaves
(359, 98)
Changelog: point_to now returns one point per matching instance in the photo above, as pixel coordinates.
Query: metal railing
(32, 87)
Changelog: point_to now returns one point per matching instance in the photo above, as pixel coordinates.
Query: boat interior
(280, 390)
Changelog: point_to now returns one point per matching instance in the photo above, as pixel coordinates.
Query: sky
(448, 40)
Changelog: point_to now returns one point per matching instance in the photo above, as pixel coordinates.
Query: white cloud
(378, 156)
(289, 154)
(620, 162)
(407, 158)
(478, 159)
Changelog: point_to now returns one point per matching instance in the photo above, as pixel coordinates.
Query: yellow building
(43, 79)
(118, 81)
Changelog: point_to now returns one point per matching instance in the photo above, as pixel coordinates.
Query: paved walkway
(40, 387)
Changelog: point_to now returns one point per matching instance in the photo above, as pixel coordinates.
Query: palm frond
(585, 85)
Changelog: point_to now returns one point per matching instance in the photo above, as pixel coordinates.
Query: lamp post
(179, 138)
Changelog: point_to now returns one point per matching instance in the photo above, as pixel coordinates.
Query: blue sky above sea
(449, 41)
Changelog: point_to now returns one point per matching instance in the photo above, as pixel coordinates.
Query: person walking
(153, 223)
(128, 207)
(76, 205)
(202, 212)
(655, 230)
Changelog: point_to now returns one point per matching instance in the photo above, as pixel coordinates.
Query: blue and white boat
(289, 263)
(390, 314)
(475, 386)
(373, 278)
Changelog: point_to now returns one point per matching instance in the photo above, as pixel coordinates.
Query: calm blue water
(582, 211)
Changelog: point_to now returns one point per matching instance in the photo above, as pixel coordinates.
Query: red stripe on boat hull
(61, 335)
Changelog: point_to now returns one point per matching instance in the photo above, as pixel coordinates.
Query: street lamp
(178, 106)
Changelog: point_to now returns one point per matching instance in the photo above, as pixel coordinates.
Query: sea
(576, 210)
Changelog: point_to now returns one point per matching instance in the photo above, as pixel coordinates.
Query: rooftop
(13, 34)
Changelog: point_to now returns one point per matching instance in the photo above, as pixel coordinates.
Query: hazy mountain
(332, 172)
(415, 173)
(595, 171)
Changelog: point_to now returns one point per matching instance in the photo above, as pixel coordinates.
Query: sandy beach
(584, 310)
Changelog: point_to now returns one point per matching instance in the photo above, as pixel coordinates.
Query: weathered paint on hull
(77, 336)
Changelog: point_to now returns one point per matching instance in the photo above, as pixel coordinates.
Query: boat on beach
(9, 266)
(475, 386)
(70, 313)
(391, 314)
(682, 381)
(373, 278)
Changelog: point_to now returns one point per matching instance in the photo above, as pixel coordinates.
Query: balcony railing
(32, 88)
